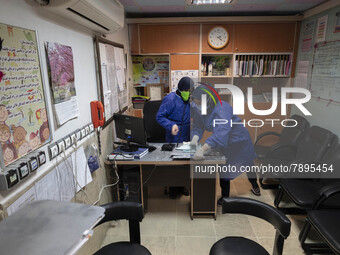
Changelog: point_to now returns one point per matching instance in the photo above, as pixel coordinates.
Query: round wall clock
(218, 37)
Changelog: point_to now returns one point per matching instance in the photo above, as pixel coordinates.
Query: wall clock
(218, 37)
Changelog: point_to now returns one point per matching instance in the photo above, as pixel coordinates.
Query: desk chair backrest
(131, 211)
(291, 135)
(315, 144)
(332, 158)
(154, 132)
(263, 211)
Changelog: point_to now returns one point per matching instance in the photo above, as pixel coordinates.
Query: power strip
(119, 157)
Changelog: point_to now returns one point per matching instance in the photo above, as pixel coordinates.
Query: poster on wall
(61, 73)
(150, 69)
(307, 37)
(24, 123)
(321, 29)
(177, 75)
(337, 23)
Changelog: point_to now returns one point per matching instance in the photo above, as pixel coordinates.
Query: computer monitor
(131, 129)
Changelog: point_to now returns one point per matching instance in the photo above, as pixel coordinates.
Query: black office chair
(133, 212)
(154, 132)
(325, 222)
(241, 245)
(289, 135)
(303, 192)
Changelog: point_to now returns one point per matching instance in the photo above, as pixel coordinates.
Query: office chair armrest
(122, 210)
(277, 147)
(266, 134)
(325, 193)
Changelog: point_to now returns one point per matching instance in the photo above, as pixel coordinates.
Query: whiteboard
(325, 77)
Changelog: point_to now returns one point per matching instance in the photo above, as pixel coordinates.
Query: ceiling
(182, 8)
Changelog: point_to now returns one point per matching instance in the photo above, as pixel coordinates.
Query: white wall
(323, 114)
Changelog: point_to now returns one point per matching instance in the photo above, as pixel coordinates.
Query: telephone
(97, 112)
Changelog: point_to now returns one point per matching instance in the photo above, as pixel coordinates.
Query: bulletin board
(24, 125)
(113, 90)
(325, 77)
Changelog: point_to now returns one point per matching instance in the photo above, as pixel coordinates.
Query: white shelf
(217, 76)
(262, 76)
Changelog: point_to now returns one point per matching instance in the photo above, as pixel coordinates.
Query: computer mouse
(168, 146)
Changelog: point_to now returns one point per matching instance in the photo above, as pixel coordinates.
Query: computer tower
(129, 186)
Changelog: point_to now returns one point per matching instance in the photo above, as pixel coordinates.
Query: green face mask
(185, 95)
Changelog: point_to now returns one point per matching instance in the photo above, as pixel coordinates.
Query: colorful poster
(307, 37)
(61, 72)
(150, 69)
(322, 29)
(337, 23)
(23, 118)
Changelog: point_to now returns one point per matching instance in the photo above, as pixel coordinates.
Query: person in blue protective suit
(174, 113)
(174, 116)
(233, 141)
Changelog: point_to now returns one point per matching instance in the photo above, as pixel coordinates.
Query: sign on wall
(23, 118)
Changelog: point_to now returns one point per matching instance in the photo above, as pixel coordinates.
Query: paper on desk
(184, 147)
(80, 169)
(28, 197)
(66, 180)
(48, 188)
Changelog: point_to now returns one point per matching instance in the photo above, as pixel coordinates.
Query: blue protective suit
(170, 113)
(233, 142)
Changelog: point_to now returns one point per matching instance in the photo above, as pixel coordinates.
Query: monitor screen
(129, 127)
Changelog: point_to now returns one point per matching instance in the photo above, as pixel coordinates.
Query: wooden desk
(171, 172)
(48, 227)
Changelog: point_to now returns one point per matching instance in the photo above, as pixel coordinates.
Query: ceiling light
(211, 1)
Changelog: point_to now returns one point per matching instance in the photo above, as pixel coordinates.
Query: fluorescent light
(211, 2)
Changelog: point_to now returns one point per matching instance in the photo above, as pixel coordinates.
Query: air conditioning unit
(104, 16)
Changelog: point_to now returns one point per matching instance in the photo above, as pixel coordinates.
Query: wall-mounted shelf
(216, 76)
(262, 76)
(262, 65)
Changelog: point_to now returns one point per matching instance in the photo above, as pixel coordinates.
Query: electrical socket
(78, 134)
(87, 130)
(83, 133)
(67, 141)
(91, 128)
(61, 145)
(53, 150)
(73, 138)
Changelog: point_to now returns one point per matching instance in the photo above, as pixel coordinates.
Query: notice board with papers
(113, 90)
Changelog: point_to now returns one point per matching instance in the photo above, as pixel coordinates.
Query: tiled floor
(168, 229)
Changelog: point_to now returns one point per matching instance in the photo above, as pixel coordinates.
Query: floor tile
(159, 245)
(261, 227)
(194, 245)
(195, 227)
(159, 224)
(233, 225)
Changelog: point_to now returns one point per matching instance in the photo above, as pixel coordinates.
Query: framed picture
(155, 91)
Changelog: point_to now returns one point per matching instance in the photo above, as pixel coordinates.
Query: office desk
(170, 172)
(48, 227)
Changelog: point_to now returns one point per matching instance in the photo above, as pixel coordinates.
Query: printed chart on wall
(113, 66)
(61, 72)
(150, 69)
(325, 79)
(177, 75)
(23, 118)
